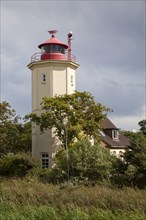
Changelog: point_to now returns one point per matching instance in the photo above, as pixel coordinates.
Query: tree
(92, 163)
(73, 116)
(132, 170)
(135, 158)
(18, 165)
(8, 127)
(14, 136)
(23, 143)
(142, 125)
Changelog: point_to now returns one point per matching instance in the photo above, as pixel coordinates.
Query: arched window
(121, 153)
(114, 153)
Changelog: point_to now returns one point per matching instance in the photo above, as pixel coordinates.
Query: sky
(108, 42)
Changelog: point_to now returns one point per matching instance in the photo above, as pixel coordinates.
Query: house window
(115, 134)
(45, 160)
(43, 78)
(114, 153)
(121, 153)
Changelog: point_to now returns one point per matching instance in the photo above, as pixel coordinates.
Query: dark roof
(107, 124)
(122, 141)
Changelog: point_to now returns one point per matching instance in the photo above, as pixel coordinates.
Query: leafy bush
(85, 162)
(17, 165)
(132, 170)
(15, 136)
(54, 176)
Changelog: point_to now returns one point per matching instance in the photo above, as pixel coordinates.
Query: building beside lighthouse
(53, 72)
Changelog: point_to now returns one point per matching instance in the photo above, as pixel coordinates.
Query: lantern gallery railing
(37, 57)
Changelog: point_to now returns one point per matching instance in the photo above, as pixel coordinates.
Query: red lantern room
(53, 49)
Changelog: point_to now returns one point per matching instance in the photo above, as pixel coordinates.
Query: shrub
(17, 165)
(85, 161)
(52, 176)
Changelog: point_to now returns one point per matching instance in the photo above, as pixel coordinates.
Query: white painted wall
(117, 152)
(60, 78)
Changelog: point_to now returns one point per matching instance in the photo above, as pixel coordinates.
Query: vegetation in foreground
(32, 199)
(99, 186)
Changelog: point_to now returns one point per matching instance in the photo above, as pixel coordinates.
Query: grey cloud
(108, 40)
(123, 99)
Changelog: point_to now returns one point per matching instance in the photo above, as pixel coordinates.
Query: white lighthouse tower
(53, 73)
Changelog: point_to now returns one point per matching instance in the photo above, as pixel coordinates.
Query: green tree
(88, 162)
(14, 136)
(18, 165)
(142, 125)
(8, 128)
(135, 158)
(132, 170)
(73, 116)
(23, 142)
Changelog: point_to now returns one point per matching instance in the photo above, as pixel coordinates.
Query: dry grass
(30, 191)
(29, 199)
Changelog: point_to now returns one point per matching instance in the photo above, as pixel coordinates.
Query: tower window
(54, 48)
(71, 80)
(45, 160)
(43, 78)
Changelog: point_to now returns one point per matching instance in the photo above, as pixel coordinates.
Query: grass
(32, 199)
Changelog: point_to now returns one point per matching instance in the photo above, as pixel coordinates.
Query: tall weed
(31, 199)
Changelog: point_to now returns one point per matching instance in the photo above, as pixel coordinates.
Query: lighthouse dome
(53, 49)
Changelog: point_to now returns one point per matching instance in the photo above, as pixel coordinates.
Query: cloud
(124, 99)
(127, 122)
(108, 41)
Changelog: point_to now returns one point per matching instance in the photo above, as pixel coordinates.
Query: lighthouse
(53, 72)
